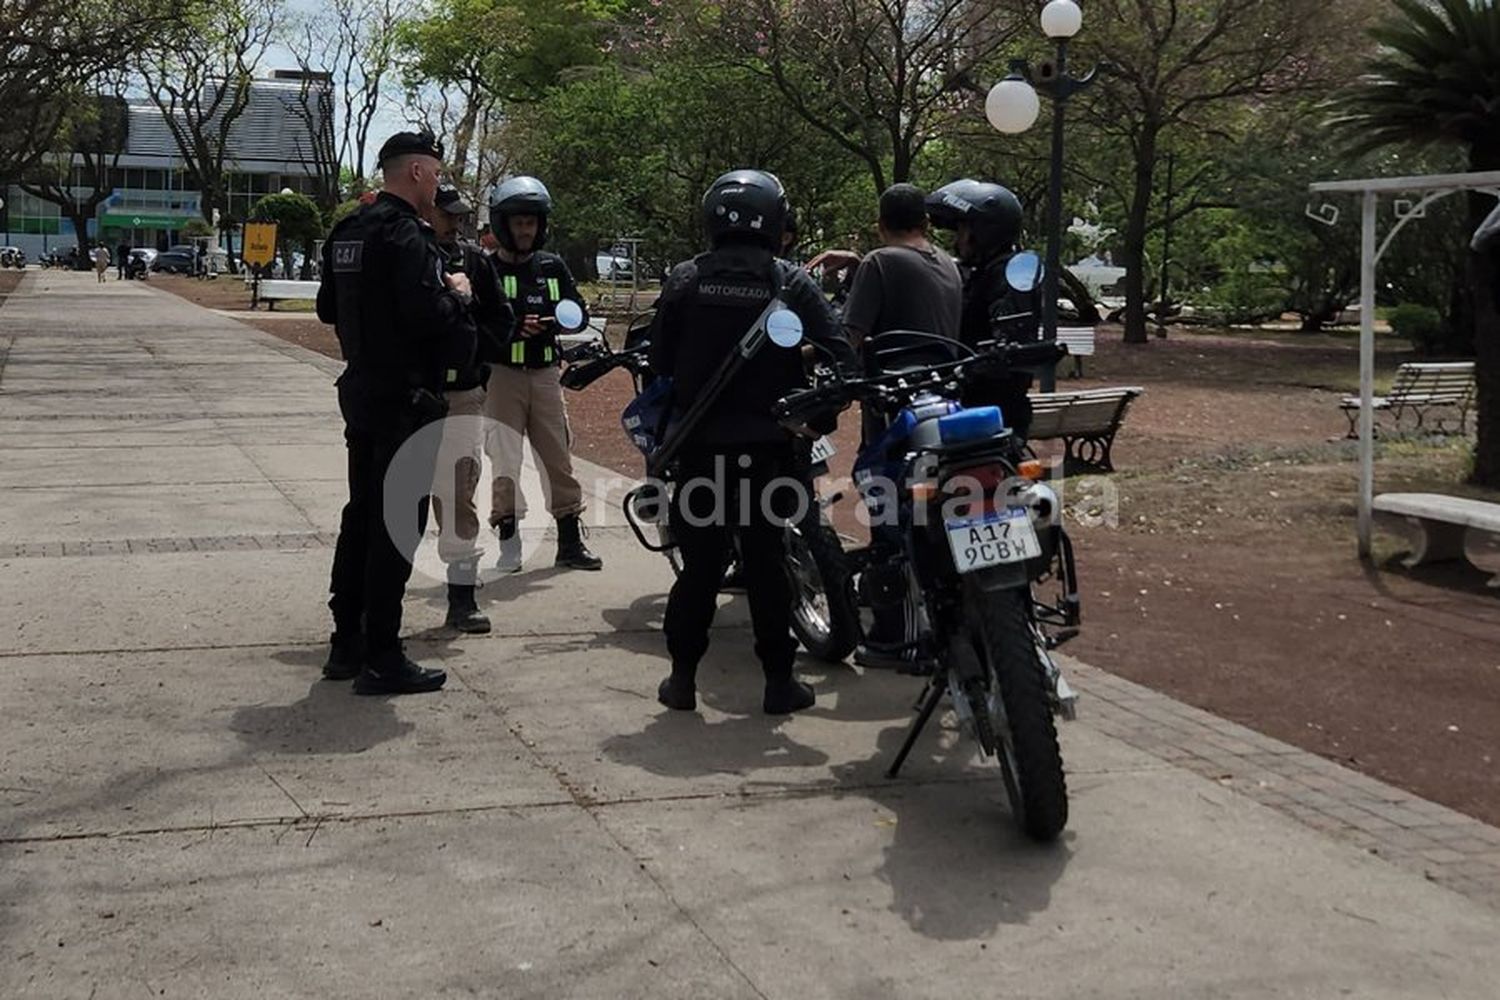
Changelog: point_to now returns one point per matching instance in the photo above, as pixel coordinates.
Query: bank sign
(125, 219)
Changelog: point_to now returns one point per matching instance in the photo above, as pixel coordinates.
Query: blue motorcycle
(964, 535)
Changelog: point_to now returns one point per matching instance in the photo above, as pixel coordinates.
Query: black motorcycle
(824, 617)
(965, 536)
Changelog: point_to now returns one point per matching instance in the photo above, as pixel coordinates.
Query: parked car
(175, 262)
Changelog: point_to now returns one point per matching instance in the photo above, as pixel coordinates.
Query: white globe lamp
(1062, 19)
(1012, 105)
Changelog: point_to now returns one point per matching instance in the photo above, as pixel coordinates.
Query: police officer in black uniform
(707, 307)
(987, 220)
(401, 324)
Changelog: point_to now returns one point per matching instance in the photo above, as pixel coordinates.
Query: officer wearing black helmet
(986, 219)
(708, 306)
(524, 395)
(401, 324)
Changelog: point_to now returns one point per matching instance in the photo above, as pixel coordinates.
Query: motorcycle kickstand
(929, 705)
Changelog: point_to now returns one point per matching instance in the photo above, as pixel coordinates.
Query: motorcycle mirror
(1024, 272)
(569, 315)
(784, 328)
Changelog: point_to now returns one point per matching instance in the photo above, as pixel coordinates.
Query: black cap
(408, 144)
(450, 201)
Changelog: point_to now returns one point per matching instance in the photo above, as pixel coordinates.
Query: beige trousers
(527, 403)
(457, 476)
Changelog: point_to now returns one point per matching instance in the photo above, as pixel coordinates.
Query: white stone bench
(274, 290)
(1080, 343)
(1419, 387)
(1442, 524)
(1085, 421)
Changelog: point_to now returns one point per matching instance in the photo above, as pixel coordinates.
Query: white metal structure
(1426, 190)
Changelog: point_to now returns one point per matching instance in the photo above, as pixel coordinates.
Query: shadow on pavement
(957, 865)
(330, 719)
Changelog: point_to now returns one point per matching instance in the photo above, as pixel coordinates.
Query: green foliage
(298, 221)
(342, 211)
(196, 228)
(1436, 81)
(1419, 324)
(296, 216)
(631, 154)
(1250, 284)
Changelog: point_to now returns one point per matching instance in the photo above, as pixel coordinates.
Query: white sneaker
(510, 555)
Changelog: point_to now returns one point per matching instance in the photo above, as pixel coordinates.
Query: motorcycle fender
(997, 578)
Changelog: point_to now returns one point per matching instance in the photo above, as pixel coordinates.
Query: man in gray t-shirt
(908, 284)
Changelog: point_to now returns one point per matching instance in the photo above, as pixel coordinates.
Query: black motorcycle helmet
(746, 204)
(519, 196)
(992, 213)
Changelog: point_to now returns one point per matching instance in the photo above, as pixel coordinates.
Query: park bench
(1080, 344)
(1443, 522)
(274, 290)
(1085, 421)
(1421, 387)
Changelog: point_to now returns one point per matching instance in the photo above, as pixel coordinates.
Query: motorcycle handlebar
(899, 387)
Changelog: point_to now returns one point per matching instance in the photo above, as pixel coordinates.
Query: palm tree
(1436, 82)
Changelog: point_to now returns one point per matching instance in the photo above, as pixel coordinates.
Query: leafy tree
(1436, 83)
(299, 223)
(1180, 69)
(51, 51)
(198, 74)
(883, 79)
(77, 173)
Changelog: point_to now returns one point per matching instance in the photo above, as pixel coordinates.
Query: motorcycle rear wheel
(1025, 740)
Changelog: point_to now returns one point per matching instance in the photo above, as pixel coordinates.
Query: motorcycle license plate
(823, 450)
(995, 539)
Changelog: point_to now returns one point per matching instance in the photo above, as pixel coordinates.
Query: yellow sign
(260, 243)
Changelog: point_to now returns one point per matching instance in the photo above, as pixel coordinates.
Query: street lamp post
(1012, 107)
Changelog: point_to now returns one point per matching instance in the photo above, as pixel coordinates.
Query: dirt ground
(1225, 573)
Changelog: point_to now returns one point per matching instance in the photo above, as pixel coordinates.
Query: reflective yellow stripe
(554, 292)
(518, 353)
(452, 375)
(547, 355)
(510, 286)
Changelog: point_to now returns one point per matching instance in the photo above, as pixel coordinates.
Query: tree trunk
(1135, 235)
(80, 225)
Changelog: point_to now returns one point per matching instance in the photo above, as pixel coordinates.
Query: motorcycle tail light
(924, 492)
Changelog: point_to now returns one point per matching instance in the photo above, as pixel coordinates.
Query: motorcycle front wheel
(825, 617)
(1024, 734)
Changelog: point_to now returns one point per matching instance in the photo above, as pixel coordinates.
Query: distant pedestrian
(122, 256)
(101, 262)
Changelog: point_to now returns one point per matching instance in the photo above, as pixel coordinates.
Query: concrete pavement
(186, 809)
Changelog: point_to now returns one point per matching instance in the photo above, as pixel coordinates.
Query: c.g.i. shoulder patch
(348, 256)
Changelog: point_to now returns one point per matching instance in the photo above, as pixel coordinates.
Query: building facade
(271, 147)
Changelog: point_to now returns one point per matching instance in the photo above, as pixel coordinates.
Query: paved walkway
(187, 810)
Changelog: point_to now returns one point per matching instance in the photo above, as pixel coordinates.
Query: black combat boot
(463, 612)
(346, 656)
(679, 691)
(571, 552)
(785, 694)
(392, 673)
(510, 546)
